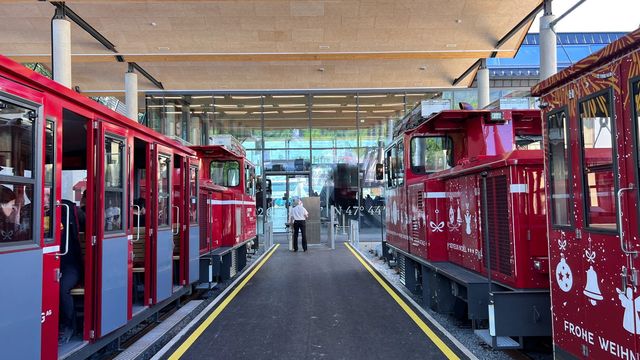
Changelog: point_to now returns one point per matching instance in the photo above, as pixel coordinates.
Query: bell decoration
(592, 290)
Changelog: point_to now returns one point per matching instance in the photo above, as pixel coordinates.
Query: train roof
(526, 121)
(43, 83)
(617, 48)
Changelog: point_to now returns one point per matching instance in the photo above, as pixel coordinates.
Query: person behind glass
(139, 215)
(82, 212)
(297, 215)
(9, 223)
(70, 268)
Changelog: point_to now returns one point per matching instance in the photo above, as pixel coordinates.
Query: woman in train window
(9, 223)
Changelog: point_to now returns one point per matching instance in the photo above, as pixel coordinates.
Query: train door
(609, 292)
(21, 258)
(179, 219)
(77, 228)
(162, 232)
(113, 268)
(141, 224)
(217, 220)
(192, 217)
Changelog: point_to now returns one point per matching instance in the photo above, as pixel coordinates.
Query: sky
(595, 15)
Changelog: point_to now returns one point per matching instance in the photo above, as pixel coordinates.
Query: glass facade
(306, 144)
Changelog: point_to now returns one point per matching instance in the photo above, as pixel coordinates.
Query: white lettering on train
(606, 345)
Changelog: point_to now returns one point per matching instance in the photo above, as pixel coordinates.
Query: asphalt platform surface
(319, 304)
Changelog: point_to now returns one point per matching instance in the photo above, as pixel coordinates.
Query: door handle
(137, 223)
(66, 230)
(177, 220)
(621, 231)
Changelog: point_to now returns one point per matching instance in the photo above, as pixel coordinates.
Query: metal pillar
(483, 84)
(61, 50)
(390, 124)
(548, 56)
(131, 93)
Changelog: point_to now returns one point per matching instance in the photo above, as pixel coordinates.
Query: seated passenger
(139, 216)
(71, 270)
(9, 224)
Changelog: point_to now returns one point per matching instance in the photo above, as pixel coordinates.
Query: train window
(49, 168)
(429, 154)
(193, 195)
(559, 165)
(114, 211)
(528, 142)
(17, 181)
(635, 88)
(225, 173)
(597, 161)
(164, 168)
(249, 180)
(388, 161)
(399, 165)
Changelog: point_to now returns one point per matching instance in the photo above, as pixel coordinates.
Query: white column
(482, 80)
(390, 125)
(548, 56)
(131, 94)
(61, 37)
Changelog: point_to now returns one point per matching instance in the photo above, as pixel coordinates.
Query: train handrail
(66, 230)
(620, 229)
(177, 220)
(137, 223)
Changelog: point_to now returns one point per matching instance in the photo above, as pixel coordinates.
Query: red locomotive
(228, 185)
(102, 219)
(465, 218)
(591, 115)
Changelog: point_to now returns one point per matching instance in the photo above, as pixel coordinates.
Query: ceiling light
(287, 96)
(164, 48)
(326, 105)
(173, 97)
(235, 112)
(458, 21)
(383, 111)
(451, 45)
(226, 106)
(329, 96)
(324, 47)
(201, 97)
(321, 69)
(324, 111)
(270, 112)
(423, 68)
(245, 97)
(153, 24)
(372, 96)
(291, 105)
(361, 120)
(293, 111)
(393, 104)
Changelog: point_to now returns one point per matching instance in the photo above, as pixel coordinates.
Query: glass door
(284, 189)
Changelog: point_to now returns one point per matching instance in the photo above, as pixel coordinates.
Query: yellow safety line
(196, 334)
(421, 324)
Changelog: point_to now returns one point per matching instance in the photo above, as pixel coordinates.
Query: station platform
(308, 305)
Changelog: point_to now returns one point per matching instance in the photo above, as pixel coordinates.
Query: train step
(145, 344)
(497, 342)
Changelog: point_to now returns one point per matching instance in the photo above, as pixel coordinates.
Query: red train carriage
(228, 180)
(591, 114)
(98, 228)
(457, 181)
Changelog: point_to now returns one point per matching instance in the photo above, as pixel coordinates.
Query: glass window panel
(114, 185)
(635, 88)
(597, 153)
(49, 166)
(286, 160)
(559, 165)
(333, 121)
(164, 212)
(113, 214)
(193, 195)
(240, 116)
(16, 140)
(398, 166)
(113, 163)
(225, 173)
(249, 180)
(14, 204)
(429, 154)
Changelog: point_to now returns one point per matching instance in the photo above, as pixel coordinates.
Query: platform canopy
(274, 44)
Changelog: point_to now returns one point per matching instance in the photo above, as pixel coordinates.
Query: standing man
(297, 215)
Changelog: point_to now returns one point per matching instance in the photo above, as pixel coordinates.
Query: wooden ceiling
(272, 44)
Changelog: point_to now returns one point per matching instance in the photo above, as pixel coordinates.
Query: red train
(466, 218)
(591, 113)
(104, 222)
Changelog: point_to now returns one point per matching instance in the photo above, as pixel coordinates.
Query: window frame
(400, 156)
(450, 158)
(168, 158)
(225, 174)
(37, 179)
(53, 121)
(635, 126)
(194, 196)
(122, 190)
(608, 92)
(549, 176)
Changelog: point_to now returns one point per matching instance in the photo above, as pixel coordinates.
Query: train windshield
(429, 154)
(225, 173)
